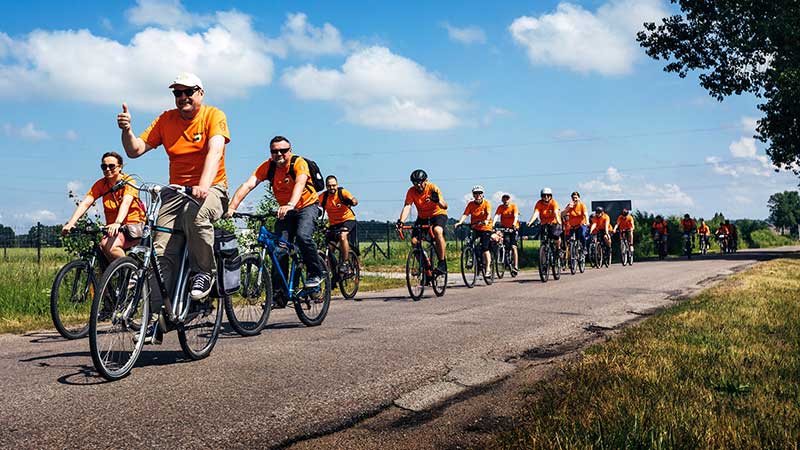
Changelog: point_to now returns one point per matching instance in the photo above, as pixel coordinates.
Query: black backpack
(316, 179)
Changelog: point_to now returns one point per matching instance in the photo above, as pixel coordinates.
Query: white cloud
(583, 41)
(739, 169)
(743, 148)
(28, 132)
(613, 174)
(298, 35)
(71, 135)
(567, 133)
(165, 13)
(465, 35)
(42, 215)
(75, 187)
(495, 112)
(600, 186)
(380, 89)
(229, 56)
(749, 124)
(667, 197)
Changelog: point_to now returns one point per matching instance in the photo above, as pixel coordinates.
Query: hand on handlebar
(112, 229)
(200, 192)
(66, 229)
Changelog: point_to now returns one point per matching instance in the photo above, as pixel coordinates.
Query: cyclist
(478, 211)
(625, 226)
(577, 221)
(431, 210)
(338, 203)
(549, 214)
(507, 215)
(689, 227)
(660, 231)
(703, 231)
(601, 226)
(122, 209)
(294, 191)
(194, 136)
(734, 235)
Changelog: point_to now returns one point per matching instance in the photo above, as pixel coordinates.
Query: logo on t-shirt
(198, 136)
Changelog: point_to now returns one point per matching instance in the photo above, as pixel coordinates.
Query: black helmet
(599, 210)
(624, 211)
(418, 176)
(658, 217)
(686, 216)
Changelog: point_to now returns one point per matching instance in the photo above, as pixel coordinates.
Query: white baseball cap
(187, 79)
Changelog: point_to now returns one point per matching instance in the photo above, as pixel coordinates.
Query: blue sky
(518, 97)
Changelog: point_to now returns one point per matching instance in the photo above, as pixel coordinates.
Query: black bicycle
(345, 271)
(577, 257)
(688, 244)
(626, 254)
(419, 263)
(75, 285)
(660, 242)
(472, 262)
(704, 244)
(503, 258)
(548, 256)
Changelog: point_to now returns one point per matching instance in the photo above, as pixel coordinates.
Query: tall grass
(769, 238)
(719, 371)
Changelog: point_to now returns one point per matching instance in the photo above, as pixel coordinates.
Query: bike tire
(544, 275)
(581, 260)
(556, 268)
(438, 280)
(488, 272)
(469, 266)
(498, 261)
(248, 310)
(348, 285)
(607, 257)
(415, 275)
(311, 305)
(131, 306)
(71, 299)
(623, 253)
(573, 258)
(198, 334)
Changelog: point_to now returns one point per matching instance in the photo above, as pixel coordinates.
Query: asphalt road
(291, 382)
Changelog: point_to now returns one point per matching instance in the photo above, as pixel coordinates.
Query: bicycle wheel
(623, 255)
(311, 304)
(415, 274)
(607, 256)
(199, 332)
(556, 268)
(349, 281)
(248, 310)
(498, 261)
(488, 273)
(598, 256)
(439, 280)
(118, 320)
(544, 275)
(573, 257)
(581, 259)
(469, 267)
(71, 299)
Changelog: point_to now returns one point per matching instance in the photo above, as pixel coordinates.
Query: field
(717, 371)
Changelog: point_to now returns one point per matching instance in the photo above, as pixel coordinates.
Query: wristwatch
(290, 204)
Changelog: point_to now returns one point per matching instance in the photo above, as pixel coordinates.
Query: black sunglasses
(187, 92)
(108, 166)
(282, 151)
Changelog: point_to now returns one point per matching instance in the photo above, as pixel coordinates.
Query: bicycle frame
(424, 237)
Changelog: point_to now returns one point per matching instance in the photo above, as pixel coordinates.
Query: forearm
(134, 146)
(122, 213)
(83, 206)
(404, 213)
(239, 195)
(211, 165)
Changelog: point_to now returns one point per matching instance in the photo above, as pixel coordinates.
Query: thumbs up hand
(124, 118)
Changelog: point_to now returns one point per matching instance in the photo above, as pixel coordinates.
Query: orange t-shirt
(112, 201)
(337, 211)
(576, 216)
(625, 223)
(479, 213)
(186, 143)
(508, 214)
(601, 223)
(660, 227)
(284, 184)
(547, 211)
(703, 230)
(688, 225)
(422, 200)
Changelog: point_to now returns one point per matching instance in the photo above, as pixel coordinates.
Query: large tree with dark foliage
(784, 209)
(740, 46)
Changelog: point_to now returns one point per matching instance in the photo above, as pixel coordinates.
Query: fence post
(388, 243)
(39, 242)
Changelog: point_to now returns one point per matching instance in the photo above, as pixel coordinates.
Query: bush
(768, 238)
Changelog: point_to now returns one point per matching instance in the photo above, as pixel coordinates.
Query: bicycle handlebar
(261, 217)
(156, 188)
(412, 227)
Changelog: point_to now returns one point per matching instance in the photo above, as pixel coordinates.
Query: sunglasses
(282, 151)
(108, 166)
(187, 92)
(332, 186)
(477, 193)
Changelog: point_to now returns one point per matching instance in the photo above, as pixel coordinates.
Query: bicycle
(248, 313)
(75, 285)
(419, 269)
(503, 258)
(548, 256)
(688, 245)
(626, 255)
(577, 258)
(660, 242)
(724, 246)
(704, 244)
(129, 283)
(472, 262)
(346, 274)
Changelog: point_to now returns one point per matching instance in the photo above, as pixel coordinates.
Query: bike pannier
(226, 253)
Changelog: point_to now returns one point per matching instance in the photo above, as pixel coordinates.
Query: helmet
(727, 222)
(599, 210)
(477, 189)
(418, 176)
(546, 191)
(658, 217)
(701, 219)
(505, 196)
(624, 211)
(686, 216)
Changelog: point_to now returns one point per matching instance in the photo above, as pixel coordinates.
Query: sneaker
(201, 286)
(152, 335)
(132, 282)
(441, 266)
(313, 282)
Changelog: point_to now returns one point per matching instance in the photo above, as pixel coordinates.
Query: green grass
(371, 283)
(769, 238)
(721, 370)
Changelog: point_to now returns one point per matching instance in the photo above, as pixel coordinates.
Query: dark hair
(576, 193)
(279, 139)
(328, 178)
(114, 154)
(505, 196)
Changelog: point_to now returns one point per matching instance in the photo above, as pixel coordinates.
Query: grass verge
(720, 370)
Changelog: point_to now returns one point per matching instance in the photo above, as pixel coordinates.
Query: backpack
(316, 179)
(327, 194)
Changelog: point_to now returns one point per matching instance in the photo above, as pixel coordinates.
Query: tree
(784, 209)
(740, 46)
(6, 235)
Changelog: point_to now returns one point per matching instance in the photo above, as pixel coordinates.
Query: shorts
(119, 240)
(553, 230)
(332, 235)
(439, 220)
(510, 239)
(485, 239)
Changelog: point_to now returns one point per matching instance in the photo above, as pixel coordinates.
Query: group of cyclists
(194, 136)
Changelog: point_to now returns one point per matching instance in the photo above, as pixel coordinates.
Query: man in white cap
(194, 136)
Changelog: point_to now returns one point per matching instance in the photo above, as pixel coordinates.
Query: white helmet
(546, 191)
(477, 188)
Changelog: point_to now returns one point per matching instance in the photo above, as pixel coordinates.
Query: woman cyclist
(480, 221)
